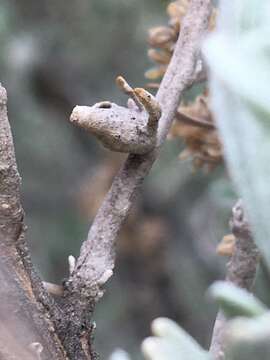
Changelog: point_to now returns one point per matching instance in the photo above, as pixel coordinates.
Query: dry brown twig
(65, 330)
(241, 271)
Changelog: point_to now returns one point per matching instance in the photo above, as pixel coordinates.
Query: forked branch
(96, 260)
(97, 252)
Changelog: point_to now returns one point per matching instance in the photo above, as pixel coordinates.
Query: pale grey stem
(241, 271)
(97, 252)
(95, 263)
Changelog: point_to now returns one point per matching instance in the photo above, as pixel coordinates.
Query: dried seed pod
(159, 56)
(155, 73)
(195, 126)
(161, 36)
(124, 129)
(164, 37)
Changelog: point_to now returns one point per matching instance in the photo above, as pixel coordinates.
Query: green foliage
(119, 354)
(171, 342)
(239, 59)
(249, 338)
(235, 301)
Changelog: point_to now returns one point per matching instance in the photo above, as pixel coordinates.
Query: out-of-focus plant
(171, 342)
(239, 59)
(247, 334)
(119, 354)
(238, 55)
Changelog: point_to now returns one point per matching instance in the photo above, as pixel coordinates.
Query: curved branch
(96, 260)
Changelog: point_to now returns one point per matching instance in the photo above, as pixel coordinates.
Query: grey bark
(24, 312)
(241, 271)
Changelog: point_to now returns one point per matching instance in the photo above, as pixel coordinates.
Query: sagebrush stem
(97, 252)
(241, 271)
(97, 255)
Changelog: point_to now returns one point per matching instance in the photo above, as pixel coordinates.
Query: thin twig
(97, 252)
(194, 121)
(127, 89)
(96, 260)
(241, 271)
(151, 106)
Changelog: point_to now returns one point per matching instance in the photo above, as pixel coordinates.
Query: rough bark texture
(24, 312)
(129, 130)
(241, 272)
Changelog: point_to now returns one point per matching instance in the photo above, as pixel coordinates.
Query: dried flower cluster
(162, 39)
(194, 122)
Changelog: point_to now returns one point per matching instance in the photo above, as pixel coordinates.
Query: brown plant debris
(194, 122)
(162, 39)
(227, 245)
(195, 125)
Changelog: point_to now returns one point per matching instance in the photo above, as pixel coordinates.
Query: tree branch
(241, 271)
(96, 260)
(24, 313)
(97, 252)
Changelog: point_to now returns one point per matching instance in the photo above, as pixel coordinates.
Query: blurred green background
(54, 55)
